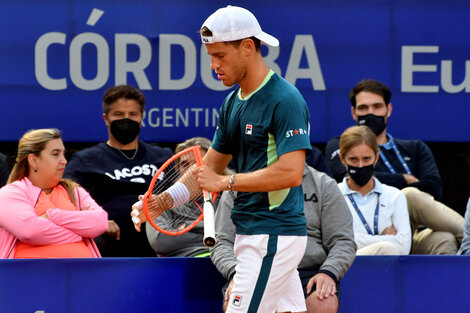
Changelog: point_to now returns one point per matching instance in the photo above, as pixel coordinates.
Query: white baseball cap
(234, 23)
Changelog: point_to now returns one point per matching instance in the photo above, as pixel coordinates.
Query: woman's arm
(90, 221)
(17, 216)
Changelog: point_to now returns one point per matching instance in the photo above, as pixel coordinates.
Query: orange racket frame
(196, 151)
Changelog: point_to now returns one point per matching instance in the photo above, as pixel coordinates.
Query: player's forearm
(216, 161)
(266, 179)
(263, 180)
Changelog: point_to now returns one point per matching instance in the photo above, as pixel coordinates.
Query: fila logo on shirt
(237, 300)
(248, 129)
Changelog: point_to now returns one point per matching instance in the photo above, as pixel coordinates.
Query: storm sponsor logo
(296, 132)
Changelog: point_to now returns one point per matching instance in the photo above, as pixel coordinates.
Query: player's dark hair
(123, 91)
(206, 32)
(372, 86)
(256, 42)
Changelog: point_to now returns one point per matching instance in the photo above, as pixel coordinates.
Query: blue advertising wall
(58, 57)
(384, 284)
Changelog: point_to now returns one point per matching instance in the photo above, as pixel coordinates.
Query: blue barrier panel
(403, 284)
(440, 285)
(398, 284)
(110, 285)
(370, 285)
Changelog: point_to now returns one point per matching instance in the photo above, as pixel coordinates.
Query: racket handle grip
(209, 225)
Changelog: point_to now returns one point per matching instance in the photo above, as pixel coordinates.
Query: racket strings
(176, 200)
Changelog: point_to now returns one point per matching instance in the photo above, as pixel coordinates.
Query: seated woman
(41, 214)
(381, 222)
(190, 243)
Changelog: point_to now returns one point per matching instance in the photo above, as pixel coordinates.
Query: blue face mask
(361, 175)
(375, 122)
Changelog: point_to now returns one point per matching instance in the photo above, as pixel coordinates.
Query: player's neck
(363, 190)
(254, 77)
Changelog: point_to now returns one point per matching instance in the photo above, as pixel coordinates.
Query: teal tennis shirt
(270, 122)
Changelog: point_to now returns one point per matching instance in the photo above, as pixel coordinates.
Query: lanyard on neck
(398, 154)
(363, 220)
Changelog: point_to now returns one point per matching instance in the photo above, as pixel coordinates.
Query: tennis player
(263, 126)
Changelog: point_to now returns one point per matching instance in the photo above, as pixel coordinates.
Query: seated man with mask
(117, 171)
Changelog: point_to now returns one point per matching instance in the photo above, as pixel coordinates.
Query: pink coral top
(19, 221)
(58, 198)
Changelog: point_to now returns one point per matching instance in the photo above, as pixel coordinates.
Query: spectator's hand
(228, 291)
(137, 214)
(326, 286)
(390, 230)
(113, 230)
(410, 178)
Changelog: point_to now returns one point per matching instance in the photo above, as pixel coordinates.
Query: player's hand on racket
(209, 180)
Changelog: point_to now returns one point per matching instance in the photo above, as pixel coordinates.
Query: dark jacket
(417, 156)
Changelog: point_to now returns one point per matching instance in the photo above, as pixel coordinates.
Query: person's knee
(412, 194)
(417, 205)
(388, 248)
(435, 242)
(326, 305)
(379, 248)
(443, 243)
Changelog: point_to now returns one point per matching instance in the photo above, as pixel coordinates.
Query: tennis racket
(173, 203)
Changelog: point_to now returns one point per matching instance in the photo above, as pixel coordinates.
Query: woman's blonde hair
(356, 135)
(34, 142)
(202, 142)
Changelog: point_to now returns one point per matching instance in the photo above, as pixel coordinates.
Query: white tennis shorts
(266, 278)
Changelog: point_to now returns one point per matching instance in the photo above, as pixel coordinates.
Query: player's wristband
(231, 182)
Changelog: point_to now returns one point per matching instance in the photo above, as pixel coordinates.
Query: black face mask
(376, 123)
(125, 130)
(361, 175)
